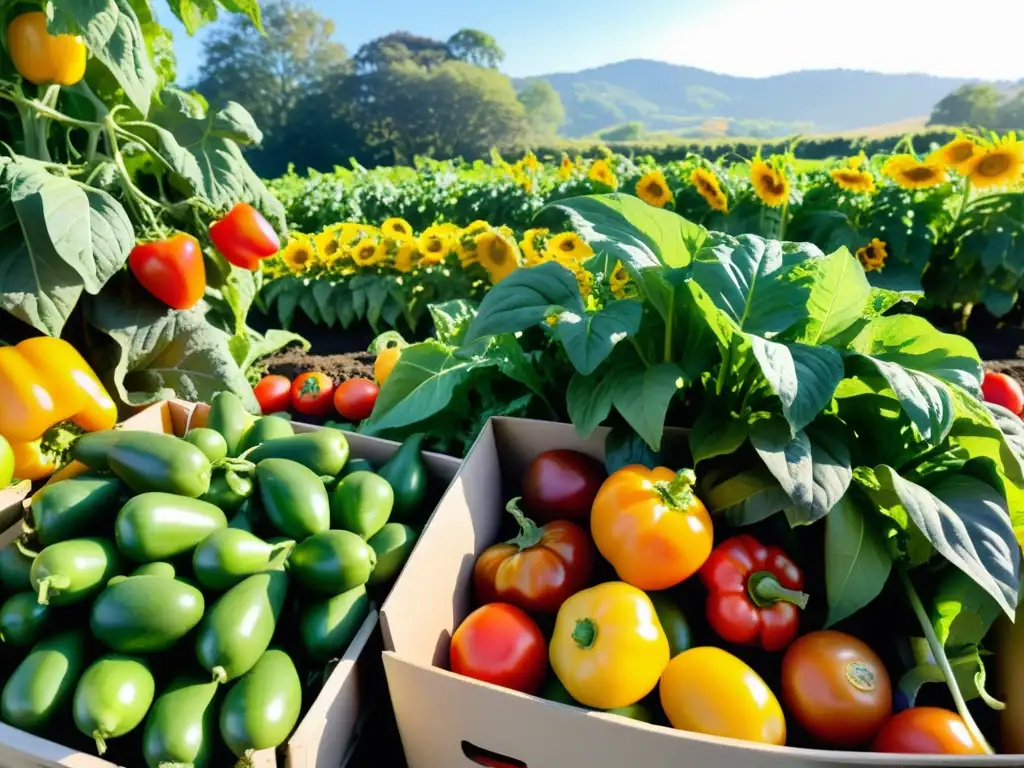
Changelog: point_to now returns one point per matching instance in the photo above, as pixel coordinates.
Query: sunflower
(405, 255)
(350, 232)
(465, 242)
(533, 245)
(524, 181)
(434, 244)
(566, 168)
(770, 183)
(618, 280)
(397, 228)
(602, 173)
(653, 189)
(585, 281)
(873, 255)
(497, 254)
(568, 247)
(299, 254)
(368, 252)
(853, 180)
(955, 154)
(910, 173)
(530, 162)
(328, 247)
(708, 187)
(997, 165)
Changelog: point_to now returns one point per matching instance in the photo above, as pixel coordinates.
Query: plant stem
(42, 109)
(720, 381)
(669, 326)
(963, 200)
(939, 653)
(640, 352)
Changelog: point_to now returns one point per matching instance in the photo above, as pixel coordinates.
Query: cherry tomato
(274, 393)
(384, 363)
(243, 237)
(498, 643)
(836, 687)
(927, 731)
(562, 485)
(354, 399)
(313, 394)
(1003, 390)
(172, 270)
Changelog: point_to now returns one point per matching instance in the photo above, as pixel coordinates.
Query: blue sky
(741, 37)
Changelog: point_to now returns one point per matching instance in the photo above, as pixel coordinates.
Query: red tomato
(244, 237)
(354, 399)
(274, 393)
(836, 687)
(1003, 390)
(498, 643)
(927, 731)
(562, 485)
(313, 393)
(172, 270)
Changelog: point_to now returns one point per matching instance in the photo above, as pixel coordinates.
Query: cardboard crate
(449, 721)
(325, 737)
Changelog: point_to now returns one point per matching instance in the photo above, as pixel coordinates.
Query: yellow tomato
(42, 58)
(608, 648)
(708, 690)
(385, 362)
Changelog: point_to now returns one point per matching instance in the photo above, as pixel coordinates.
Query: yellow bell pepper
(608, 648)
(33, 462)
(42, 58)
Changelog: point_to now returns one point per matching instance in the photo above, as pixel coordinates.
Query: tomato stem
(939, 653)
(765, 590)
(585, 634)
(529, 532)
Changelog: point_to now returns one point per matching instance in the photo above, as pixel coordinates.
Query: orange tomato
(651, 527)
(927, 731)
(385, 361)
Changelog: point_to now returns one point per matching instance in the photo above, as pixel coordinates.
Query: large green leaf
(857, 562)
(451, 320)
(589, 400)
(196, 14)
(967, 522)
(642, 395)
(839, 291)
(762, 285)
(589, 337)
(113, 35)
(803, 377)
(716, 432)
(962, 612)
(525, 299)
(631, 231)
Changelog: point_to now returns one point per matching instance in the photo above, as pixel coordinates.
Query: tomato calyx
(585, 634)
(765, 591)
(310, 386)
(530, 533)
(678, 492)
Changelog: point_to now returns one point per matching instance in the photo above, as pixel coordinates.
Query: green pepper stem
(678, 492)
(220, 675)
(529, 532)
(57, 581)
(280, 553)
(585, 634)
(24, 548)
(939, 654)
(765, 590)
(101, 743)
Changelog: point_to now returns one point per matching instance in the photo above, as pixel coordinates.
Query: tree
(475, 47)
(1011, 114)
(544, 110)
(398, 47)
(975, 105)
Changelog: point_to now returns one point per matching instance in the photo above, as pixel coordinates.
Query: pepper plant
(101, 153)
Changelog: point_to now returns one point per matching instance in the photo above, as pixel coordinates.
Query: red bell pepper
(754, 595)
(243, 237)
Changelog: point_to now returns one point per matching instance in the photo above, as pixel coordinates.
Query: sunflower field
(381, 245)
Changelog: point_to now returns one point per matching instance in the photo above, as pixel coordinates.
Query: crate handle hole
(489, 759)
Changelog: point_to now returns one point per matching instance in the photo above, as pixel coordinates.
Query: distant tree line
(398, 97)
(982, 105)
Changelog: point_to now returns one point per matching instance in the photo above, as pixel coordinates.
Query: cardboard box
(325, 736)
(448, 721)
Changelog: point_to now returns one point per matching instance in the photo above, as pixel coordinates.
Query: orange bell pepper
(43, 382)
(42, 58)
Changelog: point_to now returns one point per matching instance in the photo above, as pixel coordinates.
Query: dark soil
(292, 361)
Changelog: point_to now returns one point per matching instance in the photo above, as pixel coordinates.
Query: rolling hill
(669, 97)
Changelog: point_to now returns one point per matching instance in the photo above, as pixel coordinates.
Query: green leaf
(762, 285)
(194, 14)
(451, 320)
(589, 401)
(839, 290)
(804, 378)
(915, 360)
(623, 447)
(250, 8)
(746, 497)
(508, 355)
(967, 522)
(716, 433)
(962, 612)
(631, 231)
(642, 395)
(857, 562)
(525, 299)
(589, 337)
(323, 296)
(113, 35)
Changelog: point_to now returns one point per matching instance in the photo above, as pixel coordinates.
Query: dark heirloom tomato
(927, 731)
(561, 485)
(836, 687)
(500, 644)
(537, 570)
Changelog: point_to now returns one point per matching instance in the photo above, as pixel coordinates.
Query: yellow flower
(530, 161)
(497, 254)
(873, 255)
(910, 173)
(585, 280)
(405, 255)
(602, 173)
(653, 189)
(770, 182)
(955, 154)
(853, 180)
(299, 254)
(465, 242)
(569, 246)
(350, 233)
(997, 165)
(397, 228)
(566, 168)
(368, 252)
(708, 187)
(533, 246)
(435, 243)
(524, 181)
(618, 280)
(857, 160)
(328, 247)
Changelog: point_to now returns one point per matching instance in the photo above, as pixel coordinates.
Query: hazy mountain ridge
(666, 96)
